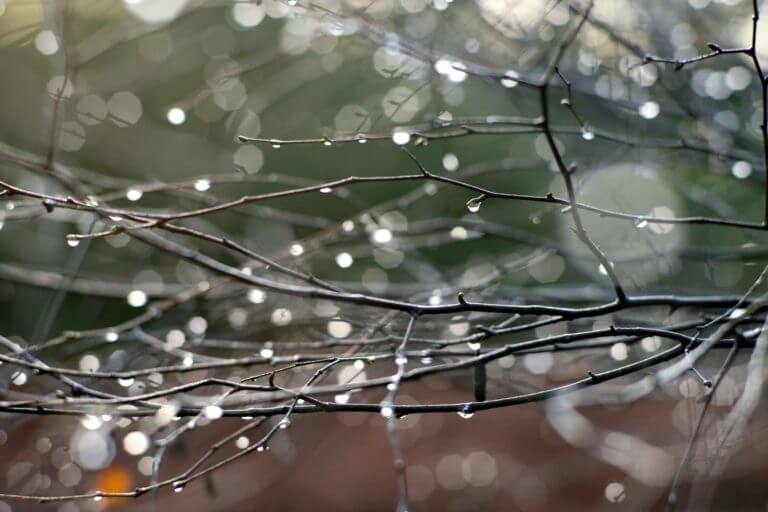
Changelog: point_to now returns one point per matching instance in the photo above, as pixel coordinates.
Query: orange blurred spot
(114, 479)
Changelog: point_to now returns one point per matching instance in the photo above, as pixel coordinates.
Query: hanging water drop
(465, 412)
(473, 205)
(178, 486)
(73, 242)
(473, 345)
(275, 145)
(587, 133)
(641, 223)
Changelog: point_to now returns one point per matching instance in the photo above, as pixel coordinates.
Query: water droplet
(741, 169)
(202, 185)
(133, 194)
(296, 250)
(176, 116)
(19, 378)
(401, 360)
(381, 236)
(361, 139)
(98, 497)
(401, 137)
(509, 81)
(260, 448)
(178, 486)
(341, 398)
(473, 205)
(136, 298)
(473, 345)
(126, 382)
(387, 411)
(111, 336)
(292, 2)
(465, 412)
(275, 145)
(587, 133)
(602, 270)
(344, 260)
(326, 190)
(73, 242)
(266, 353)
(256, 296)
(649, 109)
(285, 423)
(641, 223)
(212, 412)
(327, 141)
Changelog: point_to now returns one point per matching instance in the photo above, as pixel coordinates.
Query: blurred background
(141, 103)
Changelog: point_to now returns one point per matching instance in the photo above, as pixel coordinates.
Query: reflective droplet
(344, 260)
(341, 398)
(178, 486)
(176, 116)
(401, 137)
(133, 194)
(125, 382)
(202, 185)
(641, 223)
(387, 411)
(473, 205)
(212, 412)
(326, 190)
(473, 345)
(465, 413)
(73, 242)
(587, 133)
(111, 336)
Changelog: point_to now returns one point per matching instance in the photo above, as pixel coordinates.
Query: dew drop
(126, 382)
(212, 412)
(473, 205)
(465, 413)
(341, 398)
(178, 486)
(326, 190)
(275, 145)
(133, 194)
(587, 133)
(73, 242)
(641, 223)
(202, 185)
(387, 411)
